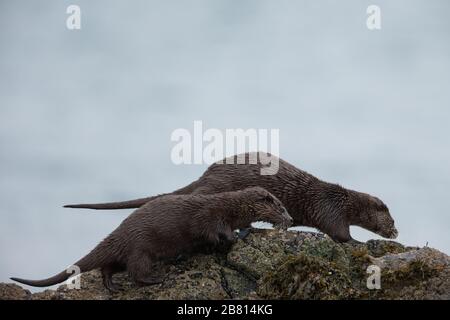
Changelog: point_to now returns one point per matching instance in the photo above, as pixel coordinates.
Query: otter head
(376, 218)
(264, 206)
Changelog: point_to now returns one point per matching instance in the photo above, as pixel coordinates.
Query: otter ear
(269, 198)
(378, 203)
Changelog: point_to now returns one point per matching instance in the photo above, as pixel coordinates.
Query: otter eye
(268, 198)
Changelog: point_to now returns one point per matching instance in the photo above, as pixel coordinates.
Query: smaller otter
(174, 225)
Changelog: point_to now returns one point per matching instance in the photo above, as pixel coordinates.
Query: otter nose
(394, 233)
(288, 217)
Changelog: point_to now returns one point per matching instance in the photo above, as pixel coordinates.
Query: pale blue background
(87, 115)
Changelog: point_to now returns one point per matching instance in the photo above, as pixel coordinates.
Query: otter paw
(354, 242)
(243, 233)
(151, 280)
(113, 288)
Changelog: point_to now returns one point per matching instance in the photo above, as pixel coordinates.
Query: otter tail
(60, 277)
(130, 204)
(97, 258)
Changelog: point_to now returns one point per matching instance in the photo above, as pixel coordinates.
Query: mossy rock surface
(306, 277)
(278, 265)
(379, 248)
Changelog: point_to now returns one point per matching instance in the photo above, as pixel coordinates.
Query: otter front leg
(226, 239)
(342, 238)
(220, 240)
(338, 231)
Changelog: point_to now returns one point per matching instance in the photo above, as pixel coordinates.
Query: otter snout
(287, 220)
(391, 233)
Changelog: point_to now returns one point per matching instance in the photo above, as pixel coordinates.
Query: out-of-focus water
(87, 115)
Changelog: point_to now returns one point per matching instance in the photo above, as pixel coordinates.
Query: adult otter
(310, 201)
(174, 225)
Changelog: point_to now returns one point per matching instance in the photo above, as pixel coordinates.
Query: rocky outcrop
(273, 264)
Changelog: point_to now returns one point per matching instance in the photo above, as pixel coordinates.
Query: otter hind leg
(140, 268)
(107, 273)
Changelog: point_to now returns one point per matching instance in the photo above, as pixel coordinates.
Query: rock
(273, 264)
(9, 291)
(416, 274)
(306, 277)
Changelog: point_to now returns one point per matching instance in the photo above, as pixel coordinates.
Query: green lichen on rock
(328, 250)
(306, 277)
(236, 284)
(251, 261)
(379, 248)
(415, 274)
(279, 265)
(262, 251)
